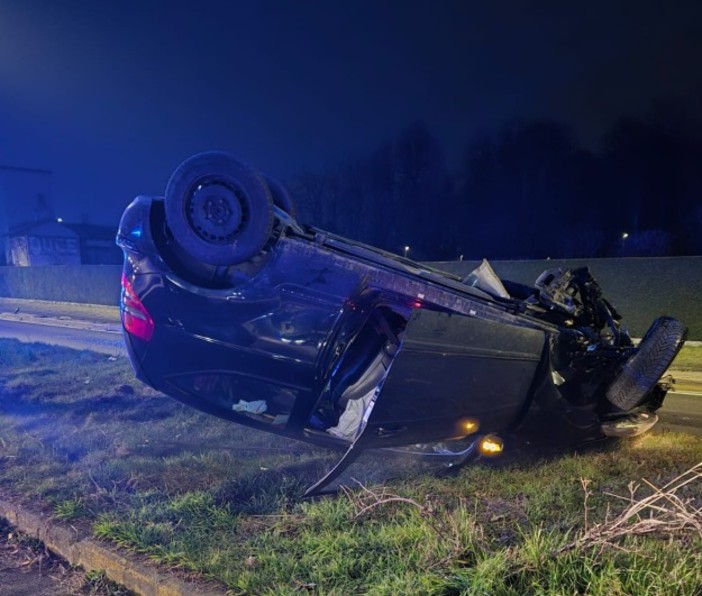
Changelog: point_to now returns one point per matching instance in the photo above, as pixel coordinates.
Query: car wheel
(219, 210)
(642, 371)
(281, 196)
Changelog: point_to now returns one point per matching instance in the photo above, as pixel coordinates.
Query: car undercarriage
(232, 306)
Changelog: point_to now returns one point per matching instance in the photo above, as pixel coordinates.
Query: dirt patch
(27, 567)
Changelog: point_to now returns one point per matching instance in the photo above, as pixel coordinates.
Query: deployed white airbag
(484, 278)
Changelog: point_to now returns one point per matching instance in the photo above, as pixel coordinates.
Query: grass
(689, 359)
(79, 435)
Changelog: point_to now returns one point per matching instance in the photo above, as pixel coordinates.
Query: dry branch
(444, 523)
(368, 500)
(664, 511)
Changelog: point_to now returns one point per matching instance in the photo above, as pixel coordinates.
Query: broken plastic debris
(250, 407)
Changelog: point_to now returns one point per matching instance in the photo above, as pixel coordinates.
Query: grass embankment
(79, 435)
(689, 359)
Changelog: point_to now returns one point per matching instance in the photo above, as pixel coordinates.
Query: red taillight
(135, 318)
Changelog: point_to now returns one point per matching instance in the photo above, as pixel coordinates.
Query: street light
(406, 251)
(622, 247)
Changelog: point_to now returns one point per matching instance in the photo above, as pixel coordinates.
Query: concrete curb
(80, 549)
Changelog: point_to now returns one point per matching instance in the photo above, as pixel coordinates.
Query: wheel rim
(216, 211)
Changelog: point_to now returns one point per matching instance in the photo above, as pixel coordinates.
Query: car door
(450, 370)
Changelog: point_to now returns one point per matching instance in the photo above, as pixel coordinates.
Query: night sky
(111, 96)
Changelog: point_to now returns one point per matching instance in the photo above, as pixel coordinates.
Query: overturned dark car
(231, 306)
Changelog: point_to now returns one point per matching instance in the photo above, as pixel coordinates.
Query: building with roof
(57, 243)
(96, 244)
(25, 198)
(30, 233)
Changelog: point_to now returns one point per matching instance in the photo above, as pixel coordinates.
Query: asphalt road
(89, 338)
(681, 412)
(66, 312)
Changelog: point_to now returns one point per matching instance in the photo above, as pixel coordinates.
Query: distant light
(59, 219)
(625, 235)
(407, 248)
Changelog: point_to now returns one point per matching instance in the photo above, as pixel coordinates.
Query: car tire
(219, 210)
(281, 196)
(643, 370)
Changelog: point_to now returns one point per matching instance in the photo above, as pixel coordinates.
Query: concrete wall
(87, 284)
(641, 289)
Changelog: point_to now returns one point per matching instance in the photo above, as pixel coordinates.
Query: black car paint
(289, 327)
